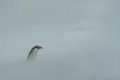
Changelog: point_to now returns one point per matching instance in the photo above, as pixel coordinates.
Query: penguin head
(39, 47)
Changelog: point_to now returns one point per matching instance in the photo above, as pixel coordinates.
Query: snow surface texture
(81, 39)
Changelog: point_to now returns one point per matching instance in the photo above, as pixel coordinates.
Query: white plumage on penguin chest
(33, 54)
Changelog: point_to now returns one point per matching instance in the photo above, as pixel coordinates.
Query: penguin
(33, 52)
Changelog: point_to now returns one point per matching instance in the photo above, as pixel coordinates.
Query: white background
(81, 39)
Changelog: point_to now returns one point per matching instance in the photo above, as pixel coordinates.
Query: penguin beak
(41, 48)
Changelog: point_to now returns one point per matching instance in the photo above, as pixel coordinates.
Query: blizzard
(80, 39)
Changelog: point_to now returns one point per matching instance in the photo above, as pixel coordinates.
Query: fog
(80, 39)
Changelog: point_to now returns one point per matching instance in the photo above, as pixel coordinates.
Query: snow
(80, 39)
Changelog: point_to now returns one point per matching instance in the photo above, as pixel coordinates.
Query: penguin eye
(38, 47)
